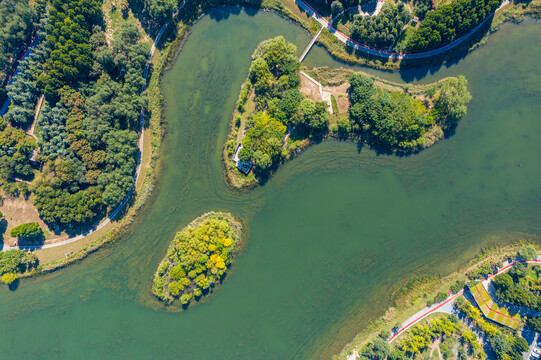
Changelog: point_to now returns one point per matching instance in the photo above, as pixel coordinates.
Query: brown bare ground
(340, 93)
(309, 89)
(19, 211)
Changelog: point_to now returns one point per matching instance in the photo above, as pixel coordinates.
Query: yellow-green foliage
(197, 258)
(475, 315)
(421, 336)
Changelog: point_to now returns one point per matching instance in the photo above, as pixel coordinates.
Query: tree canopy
(398, 121)
(381, 31)
(197, 258)
(449, 22)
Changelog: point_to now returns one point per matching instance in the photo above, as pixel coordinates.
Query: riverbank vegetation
(425, 339)
(398, 121)
(87, 128)
(16, 262)
(279, 111)
(198, 258)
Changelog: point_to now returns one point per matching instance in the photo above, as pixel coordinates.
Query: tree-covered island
(198, 258)
(282, 109)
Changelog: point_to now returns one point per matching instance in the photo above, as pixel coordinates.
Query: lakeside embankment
(414, 301)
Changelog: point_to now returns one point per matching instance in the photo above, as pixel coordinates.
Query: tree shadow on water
(416, 70)
(14, 285)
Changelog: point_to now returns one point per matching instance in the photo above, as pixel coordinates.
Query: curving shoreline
(392, 54)
(341, 37)
(148, 184)
(433, 286)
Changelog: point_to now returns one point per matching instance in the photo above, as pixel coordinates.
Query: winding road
(385, 53)
(446, 306)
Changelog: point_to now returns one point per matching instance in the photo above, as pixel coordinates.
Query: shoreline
(156, 125)
(172, 304)
(416, 298)
(240, 182)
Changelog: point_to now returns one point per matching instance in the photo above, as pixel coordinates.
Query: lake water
(329, 237)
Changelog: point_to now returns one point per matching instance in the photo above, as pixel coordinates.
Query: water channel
(329, 237)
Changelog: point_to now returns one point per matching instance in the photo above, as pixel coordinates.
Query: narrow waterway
(329, 237)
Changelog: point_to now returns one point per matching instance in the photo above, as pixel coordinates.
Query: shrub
(9, 278)
(27, 231)
(457, 286)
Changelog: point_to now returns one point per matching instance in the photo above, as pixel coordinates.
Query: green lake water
(329, 237)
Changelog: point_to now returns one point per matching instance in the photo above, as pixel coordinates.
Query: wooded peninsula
(282, 109)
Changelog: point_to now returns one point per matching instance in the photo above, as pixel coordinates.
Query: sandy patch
(340, 93)
(309, 89)
(19, 211)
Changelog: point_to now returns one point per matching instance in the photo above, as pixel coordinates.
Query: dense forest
(395, 120)
(17, 24)
(380, 31)
(87, 127)
(449, 22)
(197, 258)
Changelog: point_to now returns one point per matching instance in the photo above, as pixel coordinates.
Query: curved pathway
(139, 160)
(385, 53)
(446, 306)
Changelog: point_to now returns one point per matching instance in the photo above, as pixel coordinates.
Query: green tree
(160, 10)
(27, 231)
(534, 323)
(450, 105)
(336, 8)
(500, 345)
(262, 160)
(396, 355)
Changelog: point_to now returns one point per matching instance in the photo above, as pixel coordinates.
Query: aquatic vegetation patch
(197, 258)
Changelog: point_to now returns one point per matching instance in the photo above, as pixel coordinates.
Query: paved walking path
(385, 53)
(138, 170)
(325, 95)
(446, 306)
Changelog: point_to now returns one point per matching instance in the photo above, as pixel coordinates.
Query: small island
(198, 258)
(284, 107)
